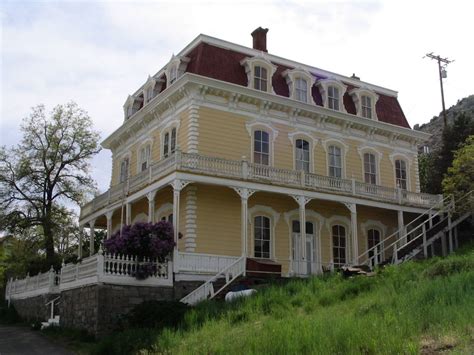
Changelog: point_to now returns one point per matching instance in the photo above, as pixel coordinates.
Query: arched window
(261, 149)
(262, 233)
(260, 78)
(173, 74)
(302, 156)
(373, 238)
(169, 218)
(339, 245)
(301, 90)
(333, 98)
(370, 169)
(335, 161)
(173, 140)
(166, 145)
(366, 103)
(401, 173)
(124, 169)
(145, 153)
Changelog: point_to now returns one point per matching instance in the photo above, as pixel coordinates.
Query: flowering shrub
(144, 240)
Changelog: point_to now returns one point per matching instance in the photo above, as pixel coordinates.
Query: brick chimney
(260, 39)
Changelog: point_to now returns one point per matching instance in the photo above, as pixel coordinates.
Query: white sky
(96, 53)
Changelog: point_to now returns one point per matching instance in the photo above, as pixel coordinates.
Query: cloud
(96, 53)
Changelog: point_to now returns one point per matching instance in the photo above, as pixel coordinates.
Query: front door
(300, 266)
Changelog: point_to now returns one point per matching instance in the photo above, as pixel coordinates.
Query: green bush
(130, 341)
(450, 266)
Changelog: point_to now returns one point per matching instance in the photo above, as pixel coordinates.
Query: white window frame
(293, 137)
(175, 68)
(261, 126)
(147, 143)
(173, 124)
(357, 95)
(400, 156)
(370, 168)
(266, 211)
(292, 77)
(165, 210)
(378, 160)
(261, 61)
(344, 149)
(121, 159)
(373, 224)
(399, 180)
(345, 222)
(323, 86)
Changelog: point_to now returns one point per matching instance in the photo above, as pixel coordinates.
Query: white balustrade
(203, 263)
(213, 165)
(321, 182)
(285, 176)
(371, 190)
(31, 286)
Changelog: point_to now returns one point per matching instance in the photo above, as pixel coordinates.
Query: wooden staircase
(437, 225)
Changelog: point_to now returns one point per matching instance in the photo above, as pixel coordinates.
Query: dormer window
(333, 98)
(332, 92)
(365, 101)
(301, 90)
(366, 106)
(260, 78)
(299, 82)
(149, 94)
(129, 111)
(259, 73)
(175, 68)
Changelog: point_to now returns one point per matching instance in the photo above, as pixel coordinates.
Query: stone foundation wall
(34, 308)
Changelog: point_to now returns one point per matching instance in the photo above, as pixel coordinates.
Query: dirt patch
(431, 345)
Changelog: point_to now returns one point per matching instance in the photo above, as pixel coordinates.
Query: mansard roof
(220, 63)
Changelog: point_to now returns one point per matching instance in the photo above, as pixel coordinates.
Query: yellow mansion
(256, 156)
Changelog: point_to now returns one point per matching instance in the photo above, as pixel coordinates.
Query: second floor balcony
(246, 171)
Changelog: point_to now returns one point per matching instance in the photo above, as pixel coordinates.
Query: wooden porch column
(128, 213)
(177, 185)
(91, 237)
(355, 241)
(302, 201)
(244, 194)
(401, 228)
(109, 216)
(151, 206)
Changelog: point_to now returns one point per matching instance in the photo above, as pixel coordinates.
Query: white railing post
(425, 247)
(51, 278)
(178, 157)
(245, 167)
(302, 178)
(353, 186)
(399, 195)
(100, 264)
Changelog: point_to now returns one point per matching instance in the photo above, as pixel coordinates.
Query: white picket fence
(47, 282)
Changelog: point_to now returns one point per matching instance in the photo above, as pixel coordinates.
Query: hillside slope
(435, 126)
(417, 307)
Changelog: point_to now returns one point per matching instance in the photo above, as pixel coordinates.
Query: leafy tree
(460, 177)
(435, 166)
(46, 171)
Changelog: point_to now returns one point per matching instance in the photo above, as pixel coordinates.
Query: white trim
(401, 156)
(259, 60)
(378, 161)
(168, 128)
(346, 223)
(373, 224)
(164, 211)
(257, 125)
(344, 149)
(323, 86)
(148, 141)
(141, 217)
(357, 94)
(193, 129)
(190, 218)
(299, 134)
(266, 211)
(178, 63)
(298, 73)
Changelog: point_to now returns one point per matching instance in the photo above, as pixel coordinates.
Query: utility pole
(442, 74)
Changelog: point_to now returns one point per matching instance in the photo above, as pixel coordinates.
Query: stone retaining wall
(34, 308)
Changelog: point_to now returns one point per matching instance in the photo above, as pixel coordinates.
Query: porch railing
(203, 263)
(241, 169)
(47, 282)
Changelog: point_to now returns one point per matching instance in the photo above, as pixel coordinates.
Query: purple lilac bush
(144, 240)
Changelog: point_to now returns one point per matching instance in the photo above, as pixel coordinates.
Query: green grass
(416, 307)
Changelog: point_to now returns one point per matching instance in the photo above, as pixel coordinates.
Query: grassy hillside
(416, 307)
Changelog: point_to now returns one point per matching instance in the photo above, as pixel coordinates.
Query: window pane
(262, 237)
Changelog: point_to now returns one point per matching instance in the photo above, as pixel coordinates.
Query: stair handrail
(52, 306)
(403, 232)
(441, 205)
(205, 286)
(452, 206)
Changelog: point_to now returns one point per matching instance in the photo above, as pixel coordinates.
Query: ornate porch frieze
(244, 192)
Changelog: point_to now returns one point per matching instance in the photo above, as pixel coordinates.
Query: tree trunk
(48, 236)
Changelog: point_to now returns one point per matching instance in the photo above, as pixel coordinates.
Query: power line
(442, 64)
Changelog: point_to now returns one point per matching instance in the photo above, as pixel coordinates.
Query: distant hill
(435, 126)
